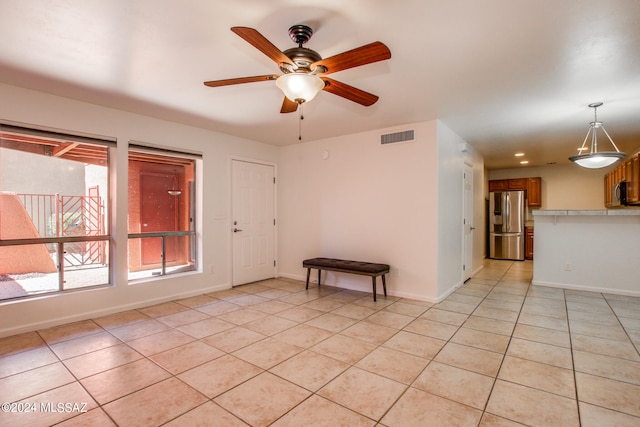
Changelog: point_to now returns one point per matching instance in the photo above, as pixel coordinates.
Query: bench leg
(308, 274)
(384, 285)
(373, 278)
(319, 274)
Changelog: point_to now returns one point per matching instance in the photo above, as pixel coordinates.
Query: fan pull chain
(301, 116)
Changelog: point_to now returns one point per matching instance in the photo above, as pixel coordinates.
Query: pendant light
(595, 159)
(174, 190)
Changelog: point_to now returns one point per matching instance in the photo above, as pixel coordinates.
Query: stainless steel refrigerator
(506, 225)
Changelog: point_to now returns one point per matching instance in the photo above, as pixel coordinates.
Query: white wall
(39, 109)
(564, 187)
(395, 204)
(598, 253)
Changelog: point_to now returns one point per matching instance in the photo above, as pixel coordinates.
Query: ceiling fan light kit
(595, 159)
(304, 69)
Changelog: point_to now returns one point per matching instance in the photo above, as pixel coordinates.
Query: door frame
(468, 211)
(230, 210)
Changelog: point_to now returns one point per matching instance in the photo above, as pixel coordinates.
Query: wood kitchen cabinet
(528, 243)
(628, 171)
(533, 187)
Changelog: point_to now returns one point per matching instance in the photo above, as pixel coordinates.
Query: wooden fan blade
(367, 54)
(349, 92)
(288, 106)
(260, 42)
(240, 80)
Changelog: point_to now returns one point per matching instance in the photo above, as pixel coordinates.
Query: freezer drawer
(506, 246)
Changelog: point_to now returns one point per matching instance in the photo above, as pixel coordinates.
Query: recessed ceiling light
(524, 162)
(519, 154)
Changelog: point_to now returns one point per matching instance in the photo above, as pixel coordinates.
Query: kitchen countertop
(598, 212)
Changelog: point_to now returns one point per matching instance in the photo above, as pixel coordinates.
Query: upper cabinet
(628, 171)
(533, 187)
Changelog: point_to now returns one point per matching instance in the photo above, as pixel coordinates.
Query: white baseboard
(575, 287)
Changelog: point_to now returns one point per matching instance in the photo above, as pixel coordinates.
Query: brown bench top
(346, 265)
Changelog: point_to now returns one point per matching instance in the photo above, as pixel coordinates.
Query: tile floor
(497, 352)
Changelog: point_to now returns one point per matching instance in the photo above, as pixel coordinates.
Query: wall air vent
(391, 138)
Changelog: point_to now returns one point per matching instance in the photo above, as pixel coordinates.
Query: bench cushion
(367, 268)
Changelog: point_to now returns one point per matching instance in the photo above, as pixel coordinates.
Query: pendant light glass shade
(300, 87)
(595, 159)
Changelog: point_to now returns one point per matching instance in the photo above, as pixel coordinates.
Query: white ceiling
(505, 75)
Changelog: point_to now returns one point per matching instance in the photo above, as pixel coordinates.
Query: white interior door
(253, 222)
(467, 232)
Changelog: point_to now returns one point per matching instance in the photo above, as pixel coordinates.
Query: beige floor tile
(595, 416)
(542, 335)
(160, 342)
(227, 294)
(267, 353)
(18, 343)
(233, 339)
(206, 415)
(432, 329)
(218, 308)
(272, 306)
(419, 408)
(139, 329)
(154, 405)
(544, 302)
(539, 352)
(247, 401)
(197, 301)
(369, 332)
(504, 295)
(601, 308)
(392, 364)
(630, 323)
(270, 325)
(609, 319)
(405, 308)
(472, 359)
(26, 360)
(343, 348)
(532, 407)
(242, 316)
(118, 320)
(331, 322)
(500, 304)
(390, 319)
(94, 418)
(496, 313)
(610, 394)
(364, 392)
(465, 299)
(418, 345)
(490, 420)
(546, 322)
(354, 311)
(69, 331)
(180, 359)
(204, 328)
(539, 376)
(163, 309)
(480, 339)
(16, 388)
(216, 377)
(73, 394)
(309, 369)
(608, 367)
(117, 382)
(325, 304)
(456, 307)
(303, 335)
(273, 293)
(443, 316)
(319, 412)
(545, 310)
(486, 324)
(101, 360)
(300, 314)
(182, 318)
(249, 300)
(619, 349)
(456, 384)
(609, 332)
(87, 344)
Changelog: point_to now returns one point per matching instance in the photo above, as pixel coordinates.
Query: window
(162, 212)
(54, 213)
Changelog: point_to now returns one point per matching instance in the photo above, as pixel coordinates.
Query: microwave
(619, 194)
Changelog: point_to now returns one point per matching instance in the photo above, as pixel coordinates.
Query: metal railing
(162, 235)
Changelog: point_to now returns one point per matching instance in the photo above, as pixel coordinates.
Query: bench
(344, 266)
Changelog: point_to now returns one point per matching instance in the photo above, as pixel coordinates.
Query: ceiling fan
(305, 72)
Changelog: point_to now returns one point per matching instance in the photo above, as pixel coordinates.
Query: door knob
(235, 230)
(472, 228)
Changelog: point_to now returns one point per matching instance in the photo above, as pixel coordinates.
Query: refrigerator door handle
(507, 213)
